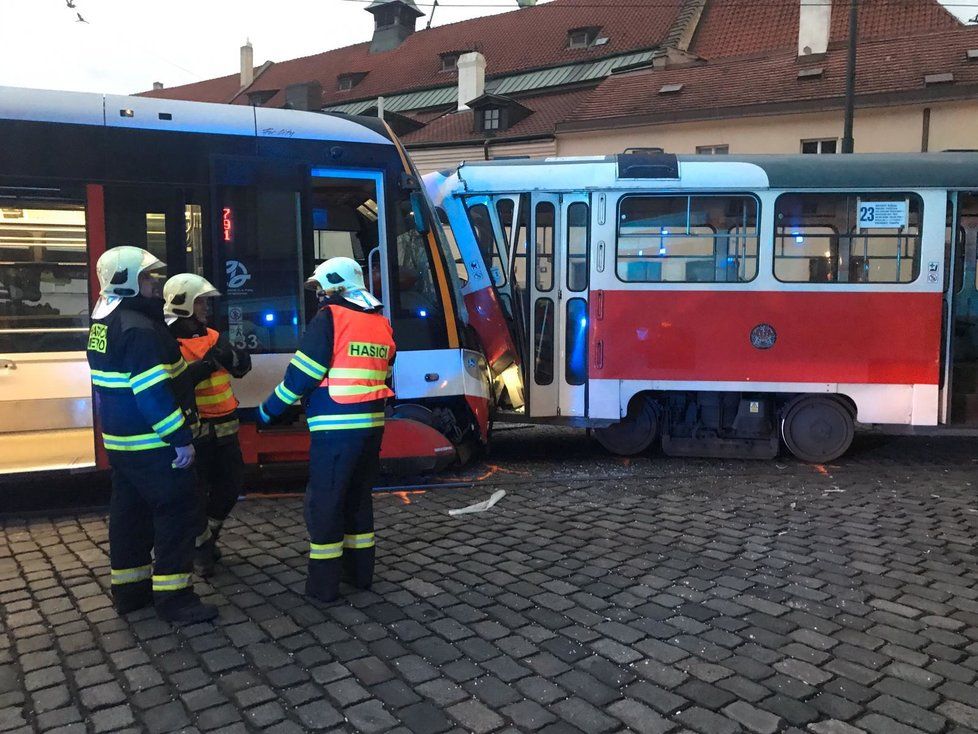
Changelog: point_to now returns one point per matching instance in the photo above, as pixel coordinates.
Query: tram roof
(148, 113)
(857, 170)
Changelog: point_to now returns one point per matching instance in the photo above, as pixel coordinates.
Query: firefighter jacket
(215, 398)
(143, 386)
(340, 370)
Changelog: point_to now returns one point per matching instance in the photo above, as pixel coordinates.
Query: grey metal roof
(864, 170)
(951, 170)
(541, 79)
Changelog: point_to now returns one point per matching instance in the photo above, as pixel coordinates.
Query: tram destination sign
(882, 214)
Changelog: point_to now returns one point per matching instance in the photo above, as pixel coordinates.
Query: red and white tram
(722, 304)
(252, 199)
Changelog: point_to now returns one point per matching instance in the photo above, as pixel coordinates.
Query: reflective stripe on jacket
(363, 346)
(215, 398)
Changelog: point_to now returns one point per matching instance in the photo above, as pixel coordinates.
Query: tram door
(549, 279)
(961, 347)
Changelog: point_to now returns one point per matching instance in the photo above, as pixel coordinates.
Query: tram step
(722, 448)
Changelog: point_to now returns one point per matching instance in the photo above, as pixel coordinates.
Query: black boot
(131, 597)
(323, 581)
(205, 558)
(184, 608)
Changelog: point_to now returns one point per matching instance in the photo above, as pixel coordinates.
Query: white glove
(185, 456)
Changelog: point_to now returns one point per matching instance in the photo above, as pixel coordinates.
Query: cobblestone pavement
(601, 595)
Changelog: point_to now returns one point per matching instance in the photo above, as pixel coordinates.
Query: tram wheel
(817, 429)
(634, 433)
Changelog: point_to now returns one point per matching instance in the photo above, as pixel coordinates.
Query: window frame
(691, 195)
(713, 149)
(537, 257)
(485, 113)
(820, 142)
(910, 195)
(449, 61)
(587, 247)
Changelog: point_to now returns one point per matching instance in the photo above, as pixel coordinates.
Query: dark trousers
(343, 468)
(152, 516)
(220, 473)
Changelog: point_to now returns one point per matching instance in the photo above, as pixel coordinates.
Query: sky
(126, 45)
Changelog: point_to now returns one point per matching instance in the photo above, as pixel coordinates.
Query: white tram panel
(557, 175)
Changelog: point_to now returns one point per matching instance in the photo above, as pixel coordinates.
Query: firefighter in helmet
(144, 392)
(340, 374)
(220, 468)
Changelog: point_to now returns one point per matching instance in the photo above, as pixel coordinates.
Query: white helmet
(181, 291)
(342, 276)
(118, 270)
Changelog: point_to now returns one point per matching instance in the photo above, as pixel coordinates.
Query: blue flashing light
(295, 320)
(662, 250)
(422, 313)
(584, 322)
(799, 240)
(269, 317)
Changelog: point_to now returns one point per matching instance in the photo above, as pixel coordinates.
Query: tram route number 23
(882, 214)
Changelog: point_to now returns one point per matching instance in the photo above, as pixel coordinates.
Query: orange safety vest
(215, 399)
(363, 346)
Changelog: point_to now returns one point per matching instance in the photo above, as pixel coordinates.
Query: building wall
(876, 130)
(438, 159)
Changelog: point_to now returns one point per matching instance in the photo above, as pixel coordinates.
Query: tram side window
(577, 246)
(519, 245)
(446, 228)
(43, 277)
(687, 239)
(543, 246)
(847, 238)
(482, 229)
(418, 312)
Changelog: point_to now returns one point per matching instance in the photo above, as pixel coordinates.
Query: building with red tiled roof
(596, 76)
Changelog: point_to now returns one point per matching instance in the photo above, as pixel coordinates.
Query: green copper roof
(556, 76)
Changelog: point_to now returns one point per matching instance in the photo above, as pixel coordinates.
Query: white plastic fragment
(480, 506)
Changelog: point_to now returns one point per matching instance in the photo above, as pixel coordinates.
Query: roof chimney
(471, 78)
(157, 85)
(814, 23)
(247, 64)
(394, 21)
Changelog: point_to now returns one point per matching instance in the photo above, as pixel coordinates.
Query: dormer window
(449, 61)
(494, 113)
(346, 82)
(259, 98)
(491, 118)
(582, 37)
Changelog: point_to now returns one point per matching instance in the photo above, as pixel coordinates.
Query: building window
(257, 99)
(713, 149)
(687, 239)
(345, 83)
(847, 238)
(825, 145)
(491, 118)
(581, 37)
(449, 62)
